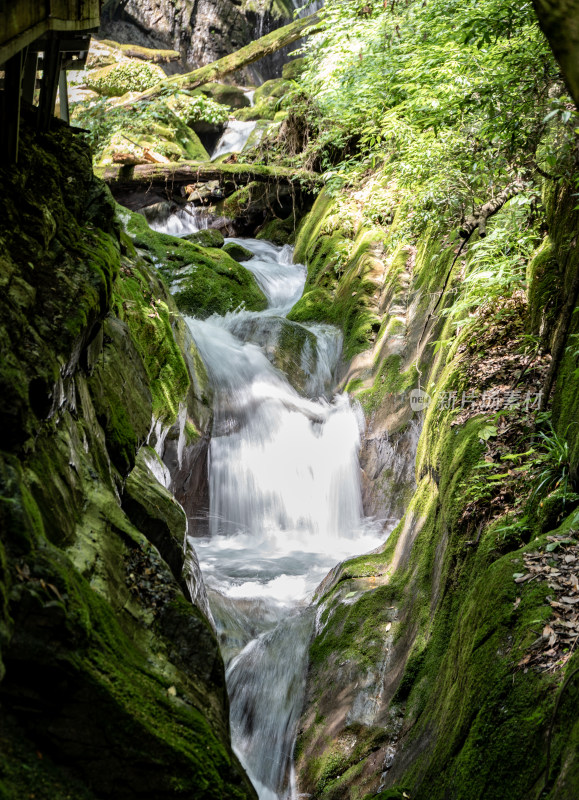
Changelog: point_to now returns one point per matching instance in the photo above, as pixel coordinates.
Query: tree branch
(480, 217)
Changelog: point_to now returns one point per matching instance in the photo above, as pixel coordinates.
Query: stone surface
(111, 681)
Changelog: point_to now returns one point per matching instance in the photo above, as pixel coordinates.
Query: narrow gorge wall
(434, 669)
(112, 684)
(201, 30)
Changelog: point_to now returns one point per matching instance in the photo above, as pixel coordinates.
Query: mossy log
(184, 172)
(247, 55)
(143, 53)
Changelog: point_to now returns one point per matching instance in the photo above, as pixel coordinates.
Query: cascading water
(285, 506)
(234, 138)
(180, 222)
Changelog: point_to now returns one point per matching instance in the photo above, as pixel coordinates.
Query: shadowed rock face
(201, 30)
(111, 681)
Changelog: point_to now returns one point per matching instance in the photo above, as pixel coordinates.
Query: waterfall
(181, 221)
(234, 138)
(285, 506)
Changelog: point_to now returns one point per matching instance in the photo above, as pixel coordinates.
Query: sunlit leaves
(455, 93)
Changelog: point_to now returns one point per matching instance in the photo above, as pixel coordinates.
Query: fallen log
(176, 174)
(234, 61)
(142, 53)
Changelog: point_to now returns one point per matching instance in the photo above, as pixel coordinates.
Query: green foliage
(127, 76)
(198, 108)
(553, 466)
(497, 264)
(158, 123)
(451, 98)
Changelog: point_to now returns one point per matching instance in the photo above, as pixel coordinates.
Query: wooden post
(10, 130)
(49, 85)
(29, 79)
(63, 95)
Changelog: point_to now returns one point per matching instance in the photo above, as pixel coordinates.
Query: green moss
(293, 69)
(264, 110)
(127, 76)
(238, 251)
(272, 88)
(279, 231)
(205, 280)
(543, 281)
(122, 675)
(225, 94)
(339, 288)
(206, 238)
(249, 198)
(143, 303)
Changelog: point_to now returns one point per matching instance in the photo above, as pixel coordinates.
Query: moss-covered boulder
(275, 88)
(206, 238)
(279, 231)
(127, 131)
(216, 284)
(203, 280)
(264, 110)
(238, 251)
(128, 75)
(292, 70)
(290, 347)
(111, 681)
(225, 94)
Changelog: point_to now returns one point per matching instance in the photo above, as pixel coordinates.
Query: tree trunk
(182, 172)
(559, 21)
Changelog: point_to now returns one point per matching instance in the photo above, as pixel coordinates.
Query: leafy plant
(496, 264)
(126, 76)
(553, 465)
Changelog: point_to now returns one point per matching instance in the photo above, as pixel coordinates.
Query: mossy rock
(265, 110)
(122, 675)
(153, 510)
(204, 280)
(292, 70)
(544, 285)
(248, 199)
(275, 88)
(279, 231)
(238, 251)
(216, 284)
(206, 238)
(129, 131)
(225, 94)
(290, 347)
(130, 75)
(256, 134)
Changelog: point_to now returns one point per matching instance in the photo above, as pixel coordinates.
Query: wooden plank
(23, 21)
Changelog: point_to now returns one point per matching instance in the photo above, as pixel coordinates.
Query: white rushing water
(184, 220)
(234, 138)
(285, 507)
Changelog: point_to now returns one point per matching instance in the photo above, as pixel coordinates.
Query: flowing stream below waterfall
(285, 507)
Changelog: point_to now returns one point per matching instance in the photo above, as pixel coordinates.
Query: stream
(285, 507)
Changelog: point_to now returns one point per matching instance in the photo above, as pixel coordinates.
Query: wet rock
(207, 238)
(238, 252)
